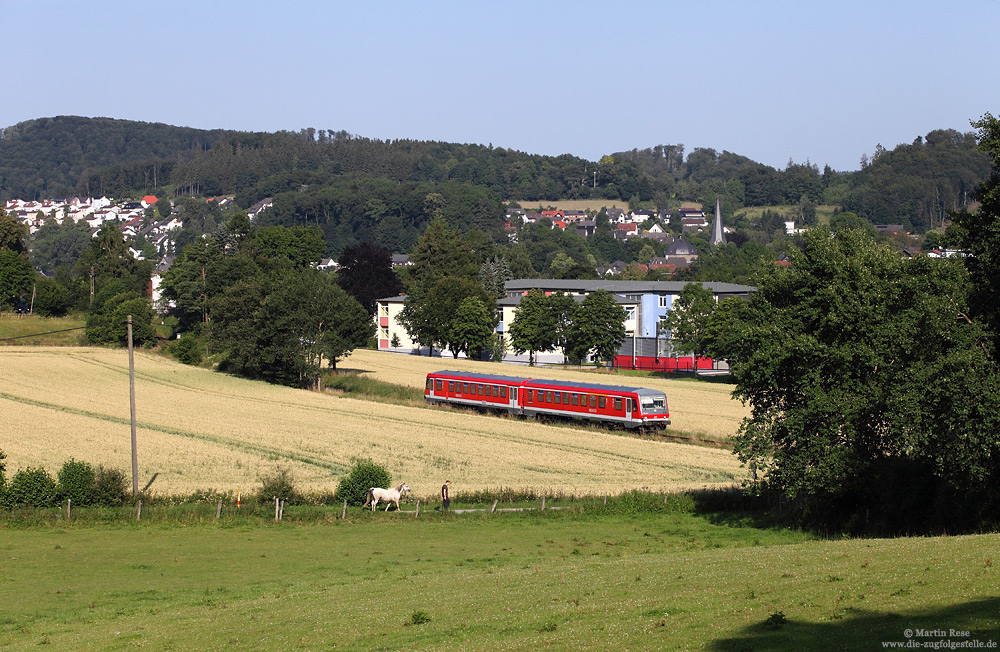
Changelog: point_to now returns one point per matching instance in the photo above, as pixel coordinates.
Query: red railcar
(630, 407)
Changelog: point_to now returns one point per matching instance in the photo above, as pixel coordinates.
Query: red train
(631, 407)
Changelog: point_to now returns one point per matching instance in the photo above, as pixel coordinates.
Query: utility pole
(131, 397)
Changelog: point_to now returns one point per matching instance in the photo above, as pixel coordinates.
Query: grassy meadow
(522, 582)
(200, 430)
(19, 326)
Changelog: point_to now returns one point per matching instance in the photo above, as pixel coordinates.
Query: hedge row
(77, 481)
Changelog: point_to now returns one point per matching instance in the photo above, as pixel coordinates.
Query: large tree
(977, 232)
(533, 328)
(867, 382)
(688, 320)
(283, 330)
(16, 273)
(473, 327)
(366, 274)
(597, 327)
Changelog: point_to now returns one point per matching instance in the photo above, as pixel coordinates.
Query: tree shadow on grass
(865, 630)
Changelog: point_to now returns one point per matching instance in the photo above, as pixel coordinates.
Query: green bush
(3, 480)
(278, 485)
(76, 482)
(364, 475)
(32, 488)
(110, 487)
(187, 349)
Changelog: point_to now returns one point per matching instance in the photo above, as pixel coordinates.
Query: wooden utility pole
(131, 399)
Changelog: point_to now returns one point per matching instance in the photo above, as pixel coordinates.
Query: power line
(64, 330)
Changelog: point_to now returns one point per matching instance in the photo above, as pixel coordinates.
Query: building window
(664, 301)
(629, 313)
(383, 333)
(383, 310)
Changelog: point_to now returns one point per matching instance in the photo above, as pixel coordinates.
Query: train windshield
(653, 402)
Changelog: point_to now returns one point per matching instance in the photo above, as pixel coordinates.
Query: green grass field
(60, 331)
(517, 581)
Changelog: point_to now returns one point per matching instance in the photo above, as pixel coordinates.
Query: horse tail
(368, 498)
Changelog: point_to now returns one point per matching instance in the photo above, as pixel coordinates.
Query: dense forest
(309, 173)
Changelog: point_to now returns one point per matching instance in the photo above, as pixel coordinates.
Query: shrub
(110, 487)
(76, 482)
(187, 349)
(278, 485)
(364, 475)
(3, 481)
(32, 488)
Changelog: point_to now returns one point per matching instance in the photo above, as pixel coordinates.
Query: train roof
(596, 386)
(534, 382)
(478, 376)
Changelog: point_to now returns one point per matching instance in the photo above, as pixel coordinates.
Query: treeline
(914, 184)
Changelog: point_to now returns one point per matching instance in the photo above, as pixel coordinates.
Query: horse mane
(400, 487)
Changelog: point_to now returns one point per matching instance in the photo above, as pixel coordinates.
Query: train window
(513, 393)
(488, 392)
(618, 403)
(496, 391)
(465, 388)
(576, 399)
(602, 402)
(440, 384)
(629, 405)
(479, 390)
(451, 385)
(548, 397)
(429, 383)
(593, 401)
(559, 397)
(566, 398)
(503, 392)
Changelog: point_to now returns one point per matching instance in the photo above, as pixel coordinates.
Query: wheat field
(203, 430)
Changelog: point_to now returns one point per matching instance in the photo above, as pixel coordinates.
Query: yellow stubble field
(202, 430)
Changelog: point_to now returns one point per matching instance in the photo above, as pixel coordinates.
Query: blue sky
(773, 81)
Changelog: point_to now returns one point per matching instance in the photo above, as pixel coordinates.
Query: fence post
(344, 513)
(68, 501)
(276, 508)
(281, 512)
(417, 513)
(494, 508)
(138, 510)
(543, 502)
(218, 510)
(605, 500)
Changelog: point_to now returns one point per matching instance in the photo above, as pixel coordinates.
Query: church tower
(718, 234)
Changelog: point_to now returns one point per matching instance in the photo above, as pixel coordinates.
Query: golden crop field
(706, 410)
(202, 430)
(574, 204)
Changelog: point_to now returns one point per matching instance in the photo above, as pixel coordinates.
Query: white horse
(376, 494)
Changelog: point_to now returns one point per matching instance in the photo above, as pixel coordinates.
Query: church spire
(718, 234)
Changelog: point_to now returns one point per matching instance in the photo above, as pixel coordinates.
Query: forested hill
(913, 184)
(52, 157)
